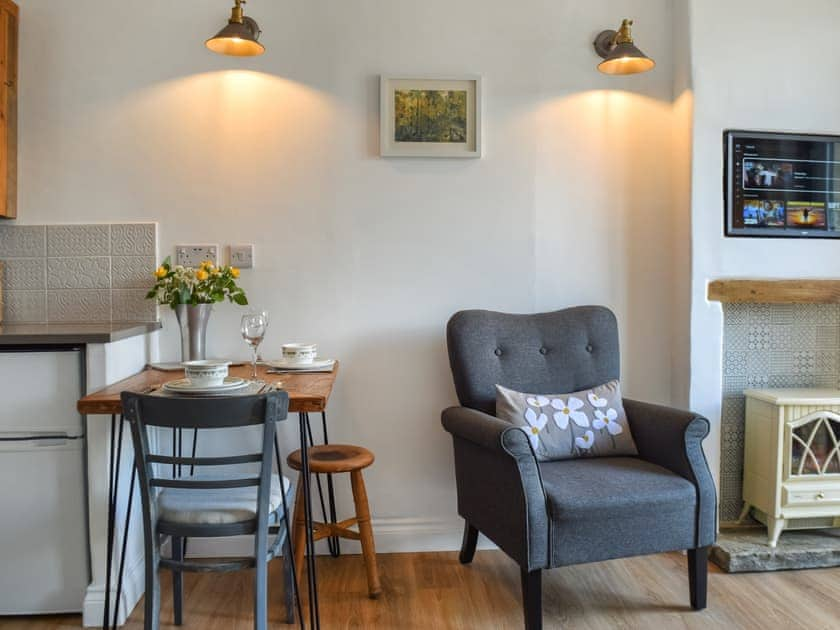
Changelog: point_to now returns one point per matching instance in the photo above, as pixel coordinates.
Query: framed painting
(430, 117)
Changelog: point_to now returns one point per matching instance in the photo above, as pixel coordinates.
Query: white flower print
(536, 423)
(596, 401)
(569, 410)
(607, 421)
(586, 441)
(537, 401)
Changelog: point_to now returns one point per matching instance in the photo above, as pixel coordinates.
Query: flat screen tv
(781, 185)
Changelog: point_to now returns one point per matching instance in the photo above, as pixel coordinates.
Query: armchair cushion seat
(612, 507)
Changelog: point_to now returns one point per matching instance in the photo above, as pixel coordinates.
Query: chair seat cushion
(613, 507)
(214, 507)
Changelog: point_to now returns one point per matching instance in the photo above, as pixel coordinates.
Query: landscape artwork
(430, 116)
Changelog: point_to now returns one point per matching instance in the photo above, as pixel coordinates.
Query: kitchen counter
(58, 334)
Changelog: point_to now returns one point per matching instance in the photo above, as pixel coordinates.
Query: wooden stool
(331, 459)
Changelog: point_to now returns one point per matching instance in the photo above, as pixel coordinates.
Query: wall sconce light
(620, 54)
(239, 37)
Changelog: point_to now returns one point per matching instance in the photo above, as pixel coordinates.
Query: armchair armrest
(673, 439)
(500, 491)
(487, 431)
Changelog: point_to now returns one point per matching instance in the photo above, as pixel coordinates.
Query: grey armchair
(554, 514)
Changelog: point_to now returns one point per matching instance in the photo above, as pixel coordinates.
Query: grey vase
(192, 320)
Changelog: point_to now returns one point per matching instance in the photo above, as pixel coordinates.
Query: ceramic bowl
(300, 352)
(206, 373)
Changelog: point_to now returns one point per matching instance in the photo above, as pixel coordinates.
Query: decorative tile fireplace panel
(769, 345)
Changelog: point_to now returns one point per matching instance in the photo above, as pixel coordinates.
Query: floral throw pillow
(588, 423)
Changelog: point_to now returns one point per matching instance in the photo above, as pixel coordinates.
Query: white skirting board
(134, 581)
(392, 535)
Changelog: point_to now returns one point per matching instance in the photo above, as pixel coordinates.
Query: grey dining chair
(553, 514)
(211, 504)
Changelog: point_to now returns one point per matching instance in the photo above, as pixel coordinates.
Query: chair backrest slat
(204, 484)
(206, 461)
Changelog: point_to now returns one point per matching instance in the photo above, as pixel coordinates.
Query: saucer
(183, 386)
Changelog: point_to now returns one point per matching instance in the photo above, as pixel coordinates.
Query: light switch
(242, 256)
(194, 255)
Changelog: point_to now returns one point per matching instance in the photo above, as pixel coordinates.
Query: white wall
(125, 116)
(762, 67)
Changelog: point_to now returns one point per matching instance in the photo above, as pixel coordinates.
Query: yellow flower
(160, 272)
(207, 265)
(234, 272)
(201, 275)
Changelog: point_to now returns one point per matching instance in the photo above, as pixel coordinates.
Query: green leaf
(240, 299)
(151, 294)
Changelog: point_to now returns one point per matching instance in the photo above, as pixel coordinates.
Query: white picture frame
(410, 93)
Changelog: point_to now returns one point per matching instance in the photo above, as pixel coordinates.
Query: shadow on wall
(605, 189)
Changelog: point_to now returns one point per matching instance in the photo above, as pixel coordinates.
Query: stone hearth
(745, 549)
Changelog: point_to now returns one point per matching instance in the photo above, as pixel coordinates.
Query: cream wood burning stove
(792, 459)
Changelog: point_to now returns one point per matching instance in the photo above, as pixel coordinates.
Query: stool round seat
(333, 458)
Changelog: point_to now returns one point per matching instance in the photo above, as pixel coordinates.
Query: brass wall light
(239, 37)
(620, 54)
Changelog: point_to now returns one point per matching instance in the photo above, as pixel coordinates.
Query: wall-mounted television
(781, 185)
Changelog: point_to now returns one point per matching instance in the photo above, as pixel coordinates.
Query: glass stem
(254, 366)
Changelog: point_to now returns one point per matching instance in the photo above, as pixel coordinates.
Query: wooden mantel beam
(775, 291)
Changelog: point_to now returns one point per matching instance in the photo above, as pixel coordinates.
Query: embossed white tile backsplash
(78, 273)
(769, 345)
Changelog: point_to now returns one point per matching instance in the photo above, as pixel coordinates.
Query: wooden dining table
(309, 392)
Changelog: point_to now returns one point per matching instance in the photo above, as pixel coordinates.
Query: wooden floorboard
(433, 591)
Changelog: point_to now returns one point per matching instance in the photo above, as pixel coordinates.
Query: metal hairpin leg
(288, 524)
(114, 484)
(110, 534)
(121, 570)
(314, 617)
(333, 541)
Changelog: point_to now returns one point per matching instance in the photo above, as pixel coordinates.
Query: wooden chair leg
(151, 613)
(698, 574)
(178, 581)
(468, 543)
(532, 598)
(299, 532)
(289, 584)
(261, 594)
(365, 532)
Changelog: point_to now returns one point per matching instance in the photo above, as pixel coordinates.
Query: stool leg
(365, 532)
(299, 532)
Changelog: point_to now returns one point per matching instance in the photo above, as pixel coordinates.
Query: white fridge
(44, 566)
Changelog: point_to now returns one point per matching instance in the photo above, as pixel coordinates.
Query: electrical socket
(242, 256)
(194, 255)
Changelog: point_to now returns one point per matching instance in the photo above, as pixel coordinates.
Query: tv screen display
(782, 185)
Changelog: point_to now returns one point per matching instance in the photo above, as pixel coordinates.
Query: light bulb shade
(625, 58)
(238, 39)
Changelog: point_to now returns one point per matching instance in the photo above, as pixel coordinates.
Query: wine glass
(253, 331)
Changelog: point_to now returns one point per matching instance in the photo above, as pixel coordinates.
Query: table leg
(332, 542)
(113, 487)
(121, 569)
(314, 617)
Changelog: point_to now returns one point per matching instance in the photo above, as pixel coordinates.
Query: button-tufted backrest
(544, 353)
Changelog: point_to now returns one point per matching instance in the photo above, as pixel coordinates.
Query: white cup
(206, 373)
(300, 353)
